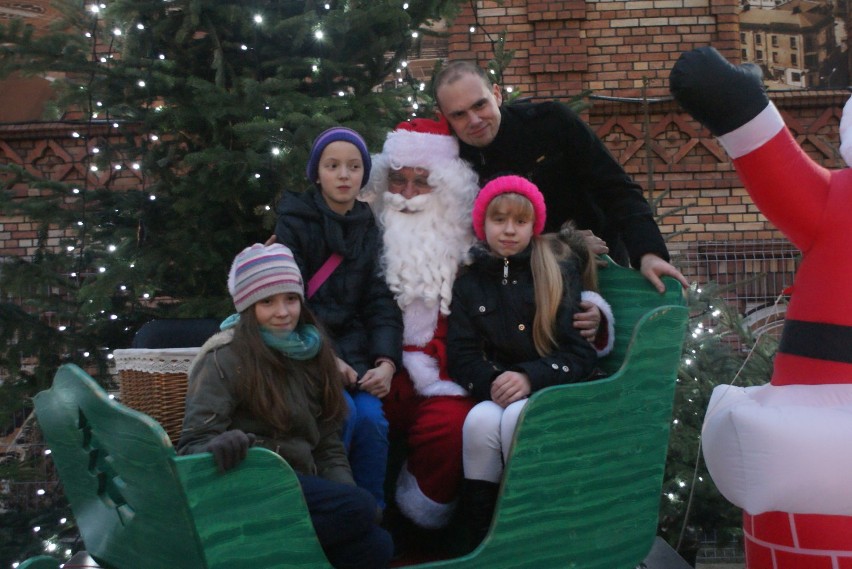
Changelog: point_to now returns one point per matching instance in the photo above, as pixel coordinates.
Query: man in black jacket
(551, 146)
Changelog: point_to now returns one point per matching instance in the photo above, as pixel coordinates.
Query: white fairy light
(319, 34)
(258, 19)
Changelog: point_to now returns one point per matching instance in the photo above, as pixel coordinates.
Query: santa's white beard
(422, 249)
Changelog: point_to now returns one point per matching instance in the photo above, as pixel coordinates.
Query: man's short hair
(453, 71)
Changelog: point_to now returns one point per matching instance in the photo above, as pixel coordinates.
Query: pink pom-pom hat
(508, 185)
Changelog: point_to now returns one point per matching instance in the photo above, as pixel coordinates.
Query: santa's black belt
(818, 340)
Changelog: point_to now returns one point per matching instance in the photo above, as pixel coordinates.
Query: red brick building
(622, 51)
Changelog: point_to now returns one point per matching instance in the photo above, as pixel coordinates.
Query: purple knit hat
(508, 185)
(260, 271)
(334, 134)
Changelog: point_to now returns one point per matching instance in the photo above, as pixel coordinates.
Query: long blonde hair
(267, 373)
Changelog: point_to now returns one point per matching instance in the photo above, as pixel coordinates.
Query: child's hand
(377, 381)
(349, 375)
(589, 321)
(510, 386)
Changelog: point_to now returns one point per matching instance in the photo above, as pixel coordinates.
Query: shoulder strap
(323, 273)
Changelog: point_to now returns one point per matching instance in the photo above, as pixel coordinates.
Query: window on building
(794, 60)
(742, 37)
(774, 57)
(759, 55)
(744, 55)
(758, 39)
(774, 41)
(793, 42)
(796, 77)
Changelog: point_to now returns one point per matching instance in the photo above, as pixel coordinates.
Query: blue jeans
(344, 519)
(365, 436)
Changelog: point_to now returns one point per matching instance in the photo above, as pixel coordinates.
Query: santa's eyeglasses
(399, 181)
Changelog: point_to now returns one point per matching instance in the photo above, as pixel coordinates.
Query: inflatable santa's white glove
(719, 95)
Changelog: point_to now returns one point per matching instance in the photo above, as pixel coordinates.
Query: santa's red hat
(422, 143)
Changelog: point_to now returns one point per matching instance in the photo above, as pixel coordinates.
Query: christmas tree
(720, 348)
(195, 116)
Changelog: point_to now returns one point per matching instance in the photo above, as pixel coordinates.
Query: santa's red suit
(782, 451)
(428, 409)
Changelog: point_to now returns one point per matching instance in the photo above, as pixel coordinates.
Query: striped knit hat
(260, 271)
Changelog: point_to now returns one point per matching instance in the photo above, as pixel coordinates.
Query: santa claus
(422, 194)
(782, 451)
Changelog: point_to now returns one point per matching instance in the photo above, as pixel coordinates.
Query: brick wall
(52, 151)
(610, 47)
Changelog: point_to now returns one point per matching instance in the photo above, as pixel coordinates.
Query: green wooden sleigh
(581, 489)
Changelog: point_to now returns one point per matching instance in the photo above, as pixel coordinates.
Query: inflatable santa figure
(422, 194)
(783, 451)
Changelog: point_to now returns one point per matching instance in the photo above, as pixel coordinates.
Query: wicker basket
(154, 382)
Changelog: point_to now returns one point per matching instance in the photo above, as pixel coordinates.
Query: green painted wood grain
(581, 489)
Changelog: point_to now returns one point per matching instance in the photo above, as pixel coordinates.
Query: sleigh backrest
(139, 506)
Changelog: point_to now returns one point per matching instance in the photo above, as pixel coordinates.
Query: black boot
(478, 500)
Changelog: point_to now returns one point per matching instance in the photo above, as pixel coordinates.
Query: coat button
(482, 309)
(521, 327)
(470, 386)
(555, 366)
(566, 369)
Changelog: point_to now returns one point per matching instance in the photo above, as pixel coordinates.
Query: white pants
(487, 437)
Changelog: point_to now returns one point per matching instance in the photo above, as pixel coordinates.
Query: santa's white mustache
(398, 202)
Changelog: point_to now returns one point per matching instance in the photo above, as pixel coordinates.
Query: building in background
(795, 42)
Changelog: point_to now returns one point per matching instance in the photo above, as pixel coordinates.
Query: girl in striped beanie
(270, 379)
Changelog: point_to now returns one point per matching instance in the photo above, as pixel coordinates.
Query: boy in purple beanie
(336, 243)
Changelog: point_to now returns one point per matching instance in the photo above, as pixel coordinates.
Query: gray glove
(230, 448)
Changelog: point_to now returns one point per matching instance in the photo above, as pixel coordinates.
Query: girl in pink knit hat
(511, 328)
